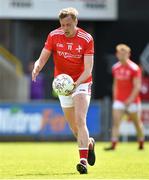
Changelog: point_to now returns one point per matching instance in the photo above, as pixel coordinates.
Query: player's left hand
(76, 84)
(71, 92)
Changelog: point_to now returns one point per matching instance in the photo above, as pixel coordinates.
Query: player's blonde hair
(124, 47)
(68, 12)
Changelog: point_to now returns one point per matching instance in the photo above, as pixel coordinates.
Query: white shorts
(67, 101)
(133, 107)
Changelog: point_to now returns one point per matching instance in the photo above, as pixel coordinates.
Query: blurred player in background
(126, 99)
(73, 52)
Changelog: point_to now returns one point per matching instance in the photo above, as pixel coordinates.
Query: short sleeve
(48, 43)
(137, 73)
(89, 48)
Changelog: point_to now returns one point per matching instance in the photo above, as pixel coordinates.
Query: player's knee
(75, 131)
(75, 134)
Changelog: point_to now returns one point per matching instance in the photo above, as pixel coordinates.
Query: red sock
(83, 154)
(114, 143)
(141, 143)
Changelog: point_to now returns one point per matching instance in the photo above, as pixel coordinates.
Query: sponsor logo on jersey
(122, 74)
(68, 55)
(59, 45)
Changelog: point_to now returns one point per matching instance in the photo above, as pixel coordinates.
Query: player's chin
(67, 34)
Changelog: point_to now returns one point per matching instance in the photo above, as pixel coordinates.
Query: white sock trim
(141, 139)
(83, 159)
(114, 139)
(83, 148)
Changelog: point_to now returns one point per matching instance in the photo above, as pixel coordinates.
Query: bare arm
(39, 64)
(135, 91)
(88, 67)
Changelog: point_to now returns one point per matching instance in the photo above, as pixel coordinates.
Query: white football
(63, 84)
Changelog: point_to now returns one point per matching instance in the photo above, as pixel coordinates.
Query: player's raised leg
(70, 117)
(136, 119)
(69, 113)
(81, 105)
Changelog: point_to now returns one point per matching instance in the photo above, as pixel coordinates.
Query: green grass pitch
(58, 161)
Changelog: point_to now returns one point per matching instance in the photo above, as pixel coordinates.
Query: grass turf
(58, 161)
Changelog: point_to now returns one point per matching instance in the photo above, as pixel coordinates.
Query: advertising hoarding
(42, 120)
(49, 9)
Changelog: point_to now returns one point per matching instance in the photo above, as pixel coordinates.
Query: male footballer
(126, 99)
(73, 54)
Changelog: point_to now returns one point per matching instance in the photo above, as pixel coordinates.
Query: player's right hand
(35, 72)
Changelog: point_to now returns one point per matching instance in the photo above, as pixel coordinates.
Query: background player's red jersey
(124, 75)
(69, 53)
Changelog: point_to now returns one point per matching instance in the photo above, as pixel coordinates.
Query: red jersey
(124, 75)
(68, 53)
